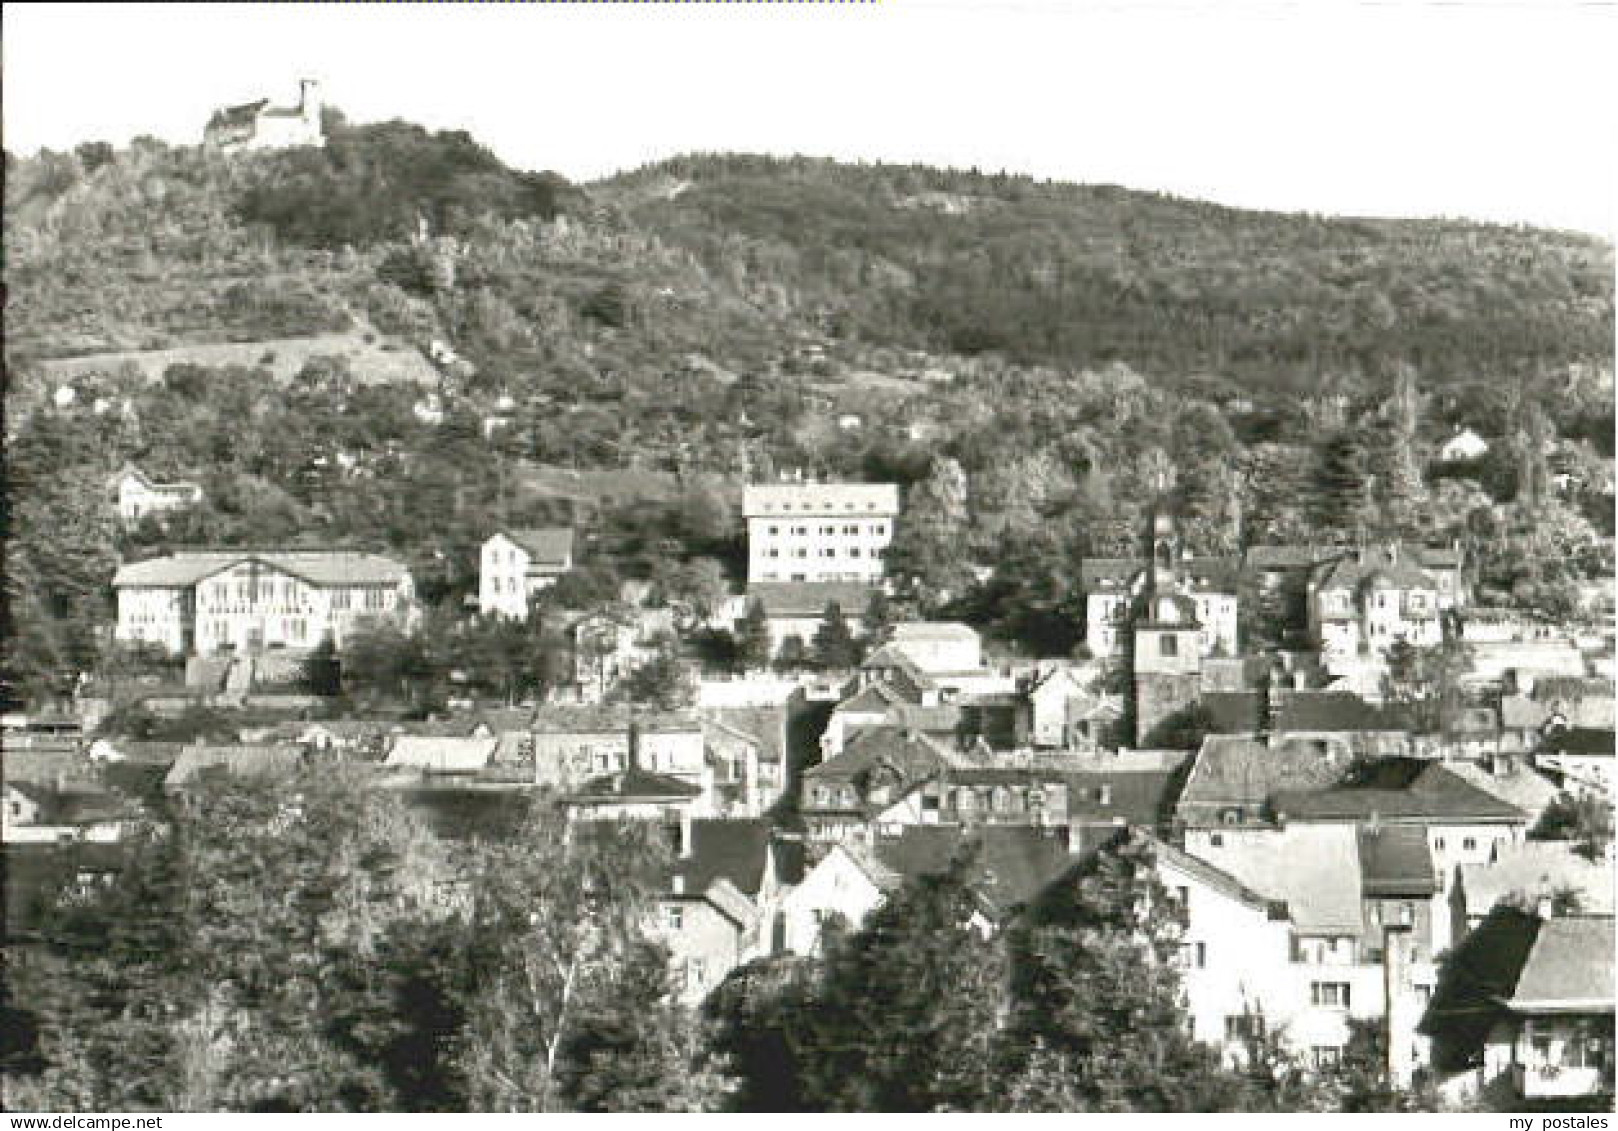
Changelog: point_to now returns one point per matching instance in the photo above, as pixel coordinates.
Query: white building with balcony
(212, 601)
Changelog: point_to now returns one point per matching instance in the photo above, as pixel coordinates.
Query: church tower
(1167, 635)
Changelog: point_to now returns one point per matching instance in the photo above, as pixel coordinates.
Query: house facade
(1113, 587)
(819, 531)
(1525, 1010)
(1275, 941)
(517, 564)
(1366, 599)
(572, 744)
(207, 602)
(137, 496)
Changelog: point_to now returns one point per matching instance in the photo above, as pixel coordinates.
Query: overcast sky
(1494, 110)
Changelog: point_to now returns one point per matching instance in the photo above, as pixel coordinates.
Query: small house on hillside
(517, 564)
(136, 495)
(1463, 447)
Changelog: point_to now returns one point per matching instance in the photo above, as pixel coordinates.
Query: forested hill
(1085, 275)
(1024, 359)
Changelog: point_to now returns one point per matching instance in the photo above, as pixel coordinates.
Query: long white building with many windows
(248, 600)
(819, 531)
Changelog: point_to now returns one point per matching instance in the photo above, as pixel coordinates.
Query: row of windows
(822, 508)
(829, 552)
(876, 529)
(297, 628)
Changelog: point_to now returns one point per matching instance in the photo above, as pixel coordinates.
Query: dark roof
(151, 753)
(1095, 571)
(610, 719)
(1014, 862)
(725, 850)
(810, 598)
(1232, 772)
(242, 115)
(1551, 688)
(1395, 860)
(1284, 557)
(1398, 789)
(1587, 741)
(877, 697)
(546, 546)
(1357, 569)
(914, 756)
(1135, 797)
(634, 783)
(1233, 712)
(1327, 711)
(239, 761)
(1220, 574)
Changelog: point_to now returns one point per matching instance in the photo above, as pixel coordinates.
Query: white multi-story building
(1364, 600)
(516, 564)
(819, 531)
(1113, 585)
(247, 600)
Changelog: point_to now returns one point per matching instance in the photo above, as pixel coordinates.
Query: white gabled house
(517, 564)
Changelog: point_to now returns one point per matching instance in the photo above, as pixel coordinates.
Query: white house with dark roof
(516, 564)
(1525, 1009)
(1113, 586)
(209, 601)
(797, 608)
(136, 495)
(1366, 599)
(1276, 930)
(258, 125)
(819, 531)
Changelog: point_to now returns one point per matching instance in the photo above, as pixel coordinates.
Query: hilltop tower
(1167, 635)
(310, 104)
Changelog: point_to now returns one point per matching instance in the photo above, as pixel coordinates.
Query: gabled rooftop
(1399, 789)
(633, 784)
(317, 567)
(1313, 869)
(1395, 860)
(1539, 869)
(1012, 864)
(1329, 712)
(1569, 968)
(546, 546)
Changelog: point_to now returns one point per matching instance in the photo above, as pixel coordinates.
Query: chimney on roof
(1545, 908)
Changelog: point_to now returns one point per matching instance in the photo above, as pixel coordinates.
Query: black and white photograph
(961, 556)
